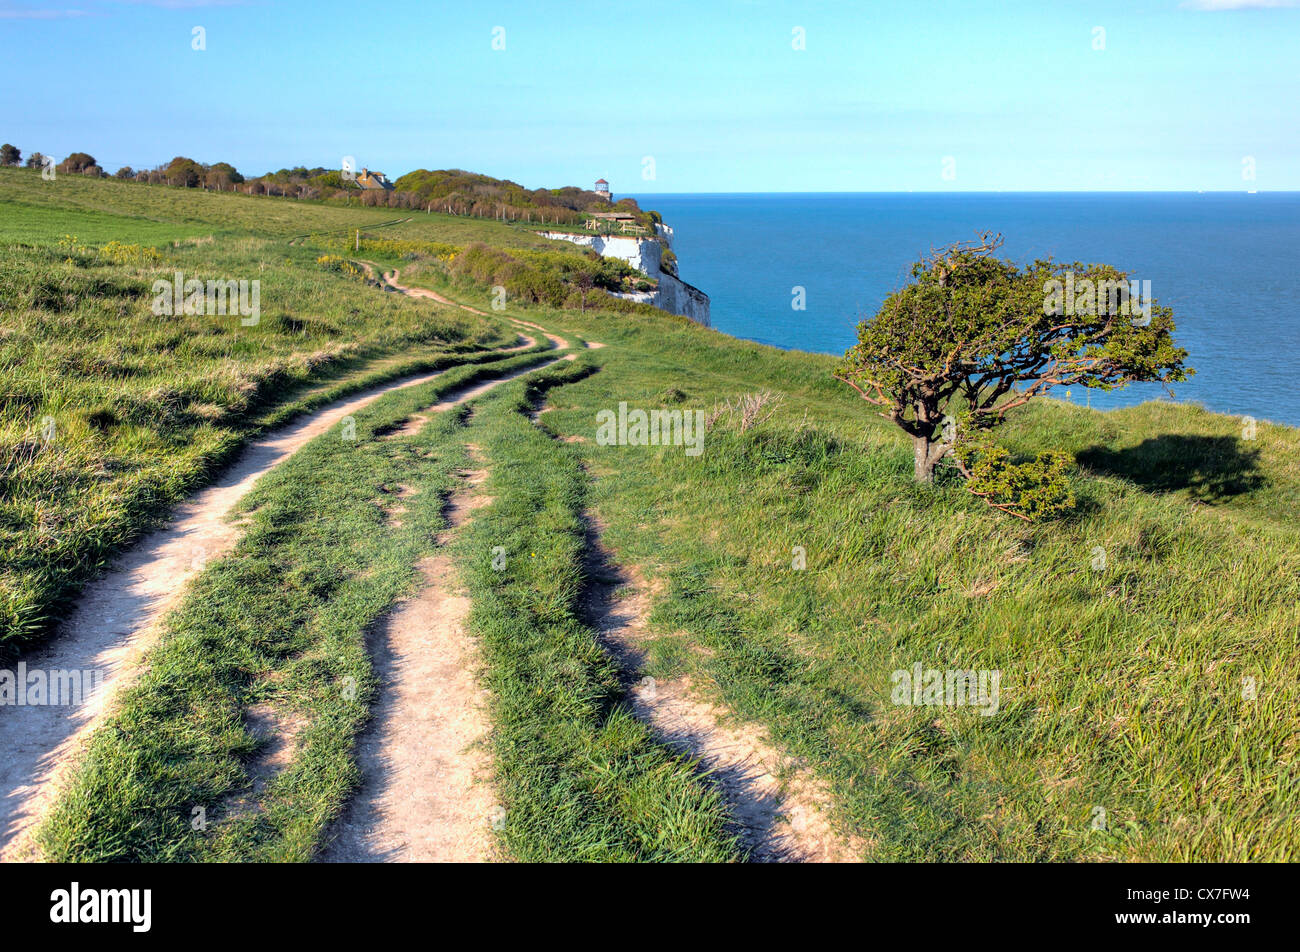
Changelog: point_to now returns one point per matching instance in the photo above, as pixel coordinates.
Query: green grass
(34, 224)
(279, 622)
(1122, 686)
(190, 212)
(578, 776)
(425, 226)
(91, 208)
(144, 408)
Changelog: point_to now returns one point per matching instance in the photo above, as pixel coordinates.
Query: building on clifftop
(374, 180)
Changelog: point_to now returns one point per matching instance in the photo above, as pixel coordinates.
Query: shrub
(339, 265)
(668, 262)
(121, 253)
(1033, 490)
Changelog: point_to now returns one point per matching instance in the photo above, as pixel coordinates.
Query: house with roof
(373, 180)
(602, 189)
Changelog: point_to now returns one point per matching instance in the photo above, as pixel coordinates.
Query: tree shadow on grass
(1211, 469)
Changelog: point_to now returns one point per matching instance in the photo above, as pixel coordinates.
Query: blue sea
(1227, 263)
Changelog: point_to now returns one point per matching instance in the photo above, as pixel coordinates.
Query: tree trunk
(923, 467)
(926, 453)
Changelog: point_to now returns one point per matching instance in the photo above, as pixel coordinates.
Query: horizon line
(991, 191)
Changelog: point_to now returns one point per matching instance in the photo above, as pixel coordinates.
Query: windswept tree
(973, 336)
(36, 160)
(222, 176)
(184, 172)
(78, 162)
(10, 155)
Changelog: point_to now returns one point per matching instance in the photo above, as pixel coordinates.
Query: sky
(924, 95)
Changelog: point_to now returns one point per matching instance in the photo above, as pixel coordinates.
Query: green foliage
(469, 193)
(560, 279)
(78, 162)
(669, 261)
(223, 172)
(993, 335)
(1033, 490)
(10, 155)
(332, 179)
(974, 325)
(183, 171)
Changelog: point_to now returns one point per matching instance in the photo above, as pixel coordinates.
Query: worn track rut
(118, 618)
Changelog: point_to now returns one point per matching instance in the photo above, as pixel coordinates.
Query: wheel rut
(118, 618)
(779, 809)
(426, 789)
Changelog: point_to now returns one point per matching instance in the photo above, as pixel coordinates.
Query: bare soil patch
(426, 794)
(778, 807)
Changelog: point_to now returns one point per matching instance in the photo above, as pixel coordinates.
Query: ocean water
(1227, 263)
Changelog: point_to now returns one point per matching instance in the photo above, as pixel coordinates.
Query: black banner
(334, 903)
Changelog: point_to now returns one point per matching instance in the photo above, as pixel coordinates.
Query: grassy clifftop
(464, 192)
(1146, 644)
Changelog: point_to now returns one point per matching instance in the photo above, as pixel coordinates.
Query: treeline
(180, 171)
(458, 192)
(453, 191)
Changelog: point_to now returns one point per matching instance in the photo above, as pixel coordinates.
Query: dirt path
(117, 619)
(559, 342)
(779, 809)
(390, 278)
(425, 794)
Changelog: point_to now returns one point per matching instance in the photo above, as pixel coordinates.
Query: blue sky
(927, 95)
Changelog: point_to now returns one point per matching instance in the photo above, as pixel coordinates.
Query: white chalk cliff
(646, 255)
